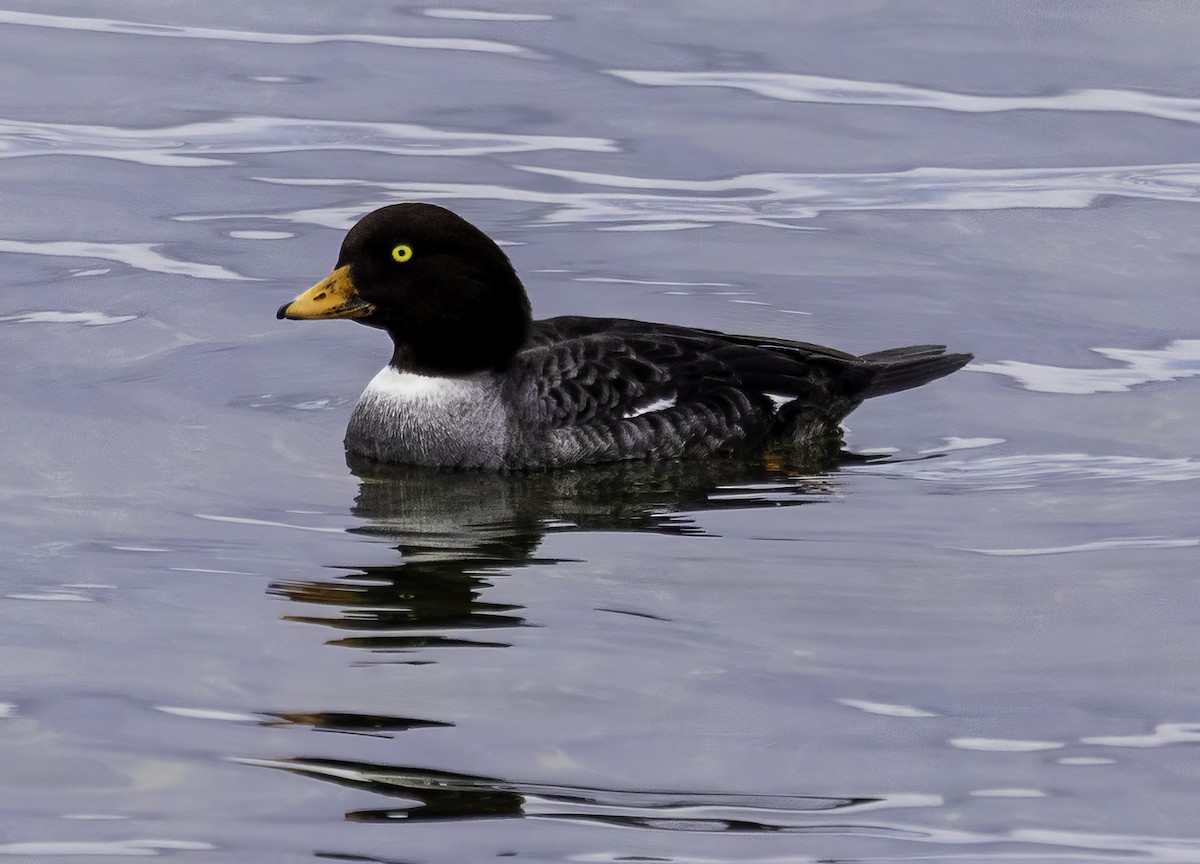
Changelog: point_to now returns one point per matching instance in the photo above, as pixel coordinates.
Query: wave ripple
(198, 144)
(820, 90)
(782, 200)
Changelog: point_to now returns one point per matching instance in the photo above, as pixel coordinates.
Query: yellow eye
(401, 253)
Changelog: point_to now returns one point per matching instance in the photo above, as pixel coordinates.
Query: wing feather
(603, 388)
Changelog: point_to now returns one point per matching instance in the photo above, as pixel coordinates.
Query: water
(974, 641)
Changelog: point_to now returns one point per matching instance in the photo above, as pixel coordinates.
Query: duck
(474, 382)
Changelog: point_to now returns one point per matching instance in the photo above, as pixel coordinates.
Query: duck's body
(474, 382)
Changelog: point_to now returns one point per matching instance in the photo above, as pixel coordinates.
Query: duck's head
(442, 289)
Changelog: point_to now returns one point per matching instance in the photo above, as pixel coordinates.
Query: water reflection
(437, 795)
(454, 530)
(376, 725)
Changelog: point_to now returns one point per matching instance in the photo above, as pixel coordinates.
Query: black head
(443, 290)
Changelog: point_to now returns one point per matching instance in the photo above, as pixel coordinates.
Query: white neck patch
(393, 385)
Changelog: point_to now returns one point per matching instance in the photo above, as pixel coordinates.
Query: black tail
(899, 369)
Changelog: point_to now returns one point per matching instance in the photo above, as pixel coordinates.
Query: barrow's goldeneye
(475, 382)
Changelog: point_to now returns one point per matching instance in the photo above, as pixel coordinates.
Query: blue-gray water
(218, 642)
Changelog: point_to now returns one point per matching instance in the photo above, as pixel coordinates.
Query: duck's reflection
(453, 530)
(421, 795)
(375, 725)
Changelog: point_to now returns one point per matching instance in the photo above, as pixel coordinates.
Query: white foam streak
(480, 15)
(1097, 546)
(210, 571)
(954, 443)
(1163, 735)
(138, 255)
(817, 89)
(885, 709)
(115, 848)
(614, 280)
(261, 235)
(266, 523)
(53, 596)
(783, 200)
(1018, 472)
(1004, 745)
(201, 144)
(53, 316)
(138, 28)
(1179, 359)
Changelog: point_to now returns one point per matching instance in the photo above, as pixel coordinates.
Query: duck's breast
(412, 419)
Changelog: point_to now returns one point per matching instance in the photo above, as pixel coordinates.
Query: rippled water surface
(971, 639)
